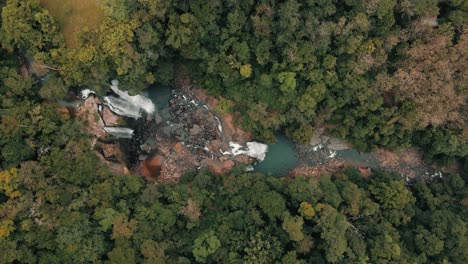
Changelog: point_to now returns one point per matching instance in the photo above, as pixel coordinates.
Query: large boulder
(109, 118)
(195, 130)
(219, 167)
(111, 150)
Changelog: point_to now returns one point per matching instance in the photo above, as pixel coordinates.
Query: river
(282, 156)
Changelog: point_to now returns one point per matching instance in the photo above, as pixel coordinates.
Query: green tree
(205, 245)
(332, 226)
(293, 226)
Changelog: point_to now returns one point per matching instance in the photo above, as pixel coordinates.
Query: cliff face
(97, 116)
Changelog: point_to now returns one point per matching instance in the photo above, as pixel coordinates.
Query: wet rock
(195, 130)
(188, 137)
(146, 148)
(328, 167)
(167, 131)
(216, 146)
(242, 159)
(158, 118)
(181, 135)
(109, 118)
(338, 144)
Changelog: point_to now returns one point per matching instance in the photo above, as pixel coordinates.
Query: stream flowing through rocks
(168, 131)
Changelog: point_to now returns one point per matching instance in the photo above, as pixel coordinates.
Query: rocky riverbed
(326, 155)
(182, 135)
(190, 136)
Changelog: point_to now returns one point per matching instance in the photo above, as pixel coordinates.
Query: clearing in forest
(75, 16)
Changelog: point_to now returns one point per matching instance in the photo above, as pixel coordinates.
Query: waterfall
(220, 127)
(138, 100)
(119, 132)
(122, 107)
(128, 105)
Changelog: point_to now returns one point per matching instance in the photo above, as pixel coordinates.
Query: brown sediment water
(151, 167)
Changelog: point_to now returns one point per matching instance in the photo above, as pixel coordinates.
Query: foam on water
(253, 149)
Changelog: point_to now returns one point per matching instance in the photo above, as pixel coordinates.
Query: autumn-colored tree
(433, 73)
(121, 227)
(9, 182)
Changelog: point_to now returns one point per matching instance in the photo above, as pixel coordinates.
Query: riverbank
(185, 133)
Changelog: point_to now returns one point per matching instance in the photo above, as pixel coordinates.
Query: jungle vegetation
(379, 73)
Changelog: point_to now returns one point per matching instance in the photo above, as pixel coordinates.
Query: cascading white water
(122, 107)
(253, 149)
(119, 132)
(139, 100)
(128, 105)
(220, 127)
(257, 150)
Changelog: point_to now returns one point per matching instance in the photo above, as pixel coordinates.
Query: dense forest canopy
(52, 214)
(379, 73)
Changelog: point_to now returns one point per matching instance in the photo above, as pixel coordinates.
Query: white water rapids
(253, 149)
